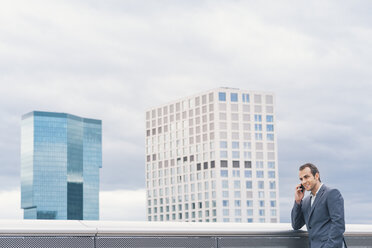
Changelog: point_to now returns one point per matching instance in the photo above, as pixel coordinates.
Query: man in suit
(322, 211)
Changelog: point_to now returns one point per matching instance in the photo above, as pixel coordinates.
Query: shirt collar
(321, 184)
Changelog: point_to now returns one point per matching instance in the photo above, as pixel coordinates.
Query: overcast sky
(111, 60)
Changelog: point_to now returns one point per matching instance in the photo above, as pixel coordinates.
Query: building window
(257, 118)
(250, 204)
(257, 108)
(225, 212)
(261, 184)
(269, 118)
(270, 136)
(245, 97)
(258, 127)
(247, 155)
(249, 212)
(223, 154)
(272, 185)
(257, 98)
(248, 184)
(237, 203)
(234, 97)
(214, 184)
(261, 194)
(272, 194)
(224, 173)
(235, 145)
(225, 203)
(225, 184)
(222, 96)
(236, 173)
(259, 164)
(223, 163)
(260, 174)
(270, 128)
(237, 184)
(258, 136)
(213, 173)
(235, 164)
(205, 165)
(223, 144)
(237, 194)
(271, 174)
(235, 154)
(269, 99)
(247, 145)
(271, 165)
(248, 174)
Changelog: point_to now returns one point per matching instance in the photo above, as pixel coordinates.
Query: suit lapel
(307, 205)
(317, 199)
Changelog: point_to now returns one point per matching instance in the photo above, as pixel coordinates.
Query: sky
(113, 59)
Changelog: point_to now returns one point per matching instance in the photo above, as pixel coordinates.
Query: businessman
(322, 211)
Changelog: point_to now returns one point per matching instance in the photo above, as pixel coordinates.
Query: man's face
(307, 179)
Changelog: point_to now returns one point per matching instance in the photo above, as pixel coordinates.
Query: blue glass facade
(61, 155)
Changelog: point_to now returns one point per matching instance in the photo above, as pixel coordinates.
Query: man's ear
(317, 176)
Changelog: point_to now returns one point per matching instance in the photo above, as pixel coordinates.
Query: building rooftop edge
(155, 228)
(205, 92)
(62, 115)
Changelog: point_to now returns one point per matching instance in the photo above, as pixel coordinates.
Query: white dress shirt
(312, 197)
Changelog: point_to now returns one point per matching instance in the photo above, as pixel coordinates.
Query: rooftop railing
(111, 234)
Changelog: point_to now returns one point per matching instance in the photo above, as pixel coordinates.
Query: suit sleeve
(297, 217)
(335, 204)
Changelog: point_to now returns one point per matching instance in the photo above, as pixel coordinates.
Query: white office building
(212, 157)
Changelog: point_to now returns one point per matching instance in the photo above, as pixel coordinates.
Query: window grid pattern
(229, 128)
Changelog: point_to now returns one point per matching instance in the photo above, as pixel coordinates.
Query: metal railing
(110, 234)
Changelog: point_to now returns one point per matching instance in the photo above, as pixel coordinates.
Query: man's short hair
(312, 168)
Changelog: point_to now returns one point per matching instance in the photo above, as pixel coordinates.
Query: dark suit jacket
(325, 221)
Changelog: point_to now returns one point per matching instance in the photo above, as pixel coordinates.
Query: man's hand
(299, 195)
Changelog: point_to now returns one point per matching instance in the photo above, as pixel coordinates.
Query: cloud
(10, 207)
(124, 205)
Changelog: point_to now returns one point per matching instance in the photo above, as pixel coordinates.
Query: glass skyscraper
(61, 155)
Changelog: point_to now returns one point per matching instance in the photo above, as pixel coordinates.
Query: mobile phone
(302, 188)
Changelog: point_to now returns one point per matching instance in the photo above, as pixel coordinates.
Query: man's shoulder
(332, 192)
(329, 189)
